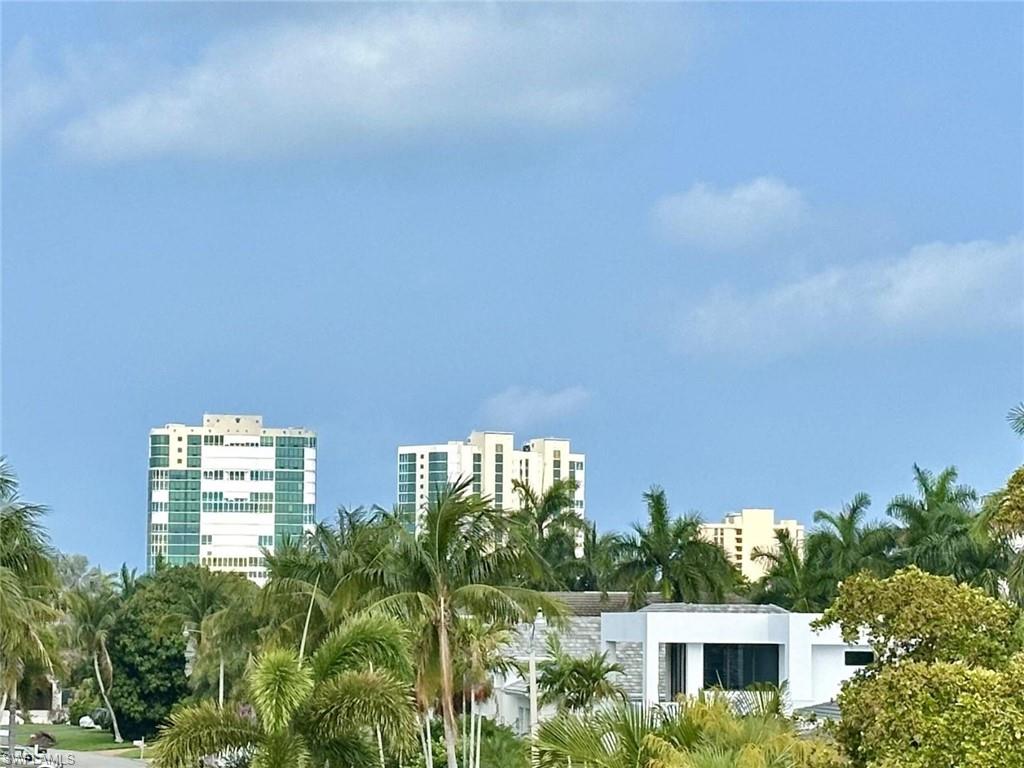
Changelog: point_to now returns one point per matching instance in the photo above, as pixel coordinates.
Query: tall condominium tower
(743, 532)
(492, 461)
(221, 493)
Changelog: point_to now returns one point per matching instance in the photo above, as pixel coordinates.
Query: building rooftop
(711, 608)
(596, 603)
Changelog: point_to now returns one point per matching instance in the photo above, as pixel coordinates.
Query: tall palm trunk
(451, 731)
(106, 699)
(11, 712)
(428, 748)
(479, 736)
(474, 746)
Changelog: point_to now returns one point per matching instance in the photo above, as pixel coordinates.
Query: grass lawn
(73, 738)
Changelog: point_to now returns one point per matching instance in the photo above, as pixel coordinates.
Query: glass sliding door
(735, 667)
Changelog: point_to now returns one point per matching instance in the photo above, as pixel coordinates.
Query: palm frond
(361, 642)
(1016, 418)
(363, 700)
(283, 749)
(279, 685)
(196, 731)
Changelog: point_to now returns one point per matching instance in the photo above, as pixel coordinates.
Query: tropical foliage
(92, 611)
(916, 616)
(375, 645)
(577, 683)
(456, 565)
(669, 556)
(341, 707)
(700, 733)
(28, 585)
(945, 687)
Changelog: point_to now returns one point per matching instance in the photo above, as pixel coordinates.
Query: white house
(687, 647)
(672, 649)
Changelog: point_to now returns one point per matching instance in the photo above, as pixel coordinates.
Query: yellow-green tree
(945, 688)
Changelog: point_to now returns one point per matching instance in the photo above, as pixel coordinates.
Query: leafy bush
(944, 689)
(148, 654)
(917, 715)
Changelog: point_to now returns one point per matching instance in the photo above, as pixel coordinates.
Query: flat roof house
(687, 647)
(672, 649)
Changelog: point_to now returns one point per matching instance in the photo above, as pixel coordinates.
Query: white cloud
(520, 408)
(43, 88)
(28, 96)
(939, 289)
(745, 215)
(387, 75)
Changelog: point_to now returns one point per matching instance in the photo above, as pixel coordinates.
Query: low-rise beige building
(743, 532)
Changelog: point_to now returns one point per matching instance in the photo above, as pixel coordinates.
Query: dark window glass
(734, 667)
(859, 658)
(676, 669)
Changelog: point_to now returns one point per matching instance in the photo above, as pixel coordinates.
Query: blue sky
(762, 255)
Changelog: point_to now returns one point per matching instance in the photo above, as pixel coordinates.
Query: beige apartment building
(740, 533)
(492, 461)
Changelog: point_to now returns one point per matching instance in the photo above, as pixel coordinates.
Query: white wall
(829, 671)
(812, 661)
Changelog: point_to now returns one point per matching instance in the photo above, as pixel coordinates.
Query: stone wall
(581, 637)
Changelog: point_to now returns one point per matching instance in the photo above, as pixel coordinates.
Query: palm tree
(334, 568)
(793, 579)
(552, 529)
(551, 511)
(327, 710)
(669, 556)
(1016, 418)
(481, 650)
(1002, 521)
(594, 569)
(26, 637)
(28, 584)
(937, 523)
(211, 593)
(128, 581)
(458, 563)
(92, 613)
(576, 684)
(848, 545)
(228, 639)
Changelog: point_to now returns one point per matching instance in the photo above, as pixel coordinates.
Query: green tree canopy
(917, 616)
(920, 715)
(147, 651)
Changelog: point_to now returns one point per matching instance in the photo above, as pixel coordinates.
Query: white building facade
(743, 532)
(492, 462)
(673, 650)
(687, 648)
(223, 492)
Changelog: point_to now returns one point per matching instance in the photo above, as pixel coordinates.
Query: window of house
(858, 658)
(735, 667)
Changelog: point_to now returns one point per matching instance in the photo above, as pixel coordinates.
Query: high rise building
(740, 533)
(221, 493)
(492, 462)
